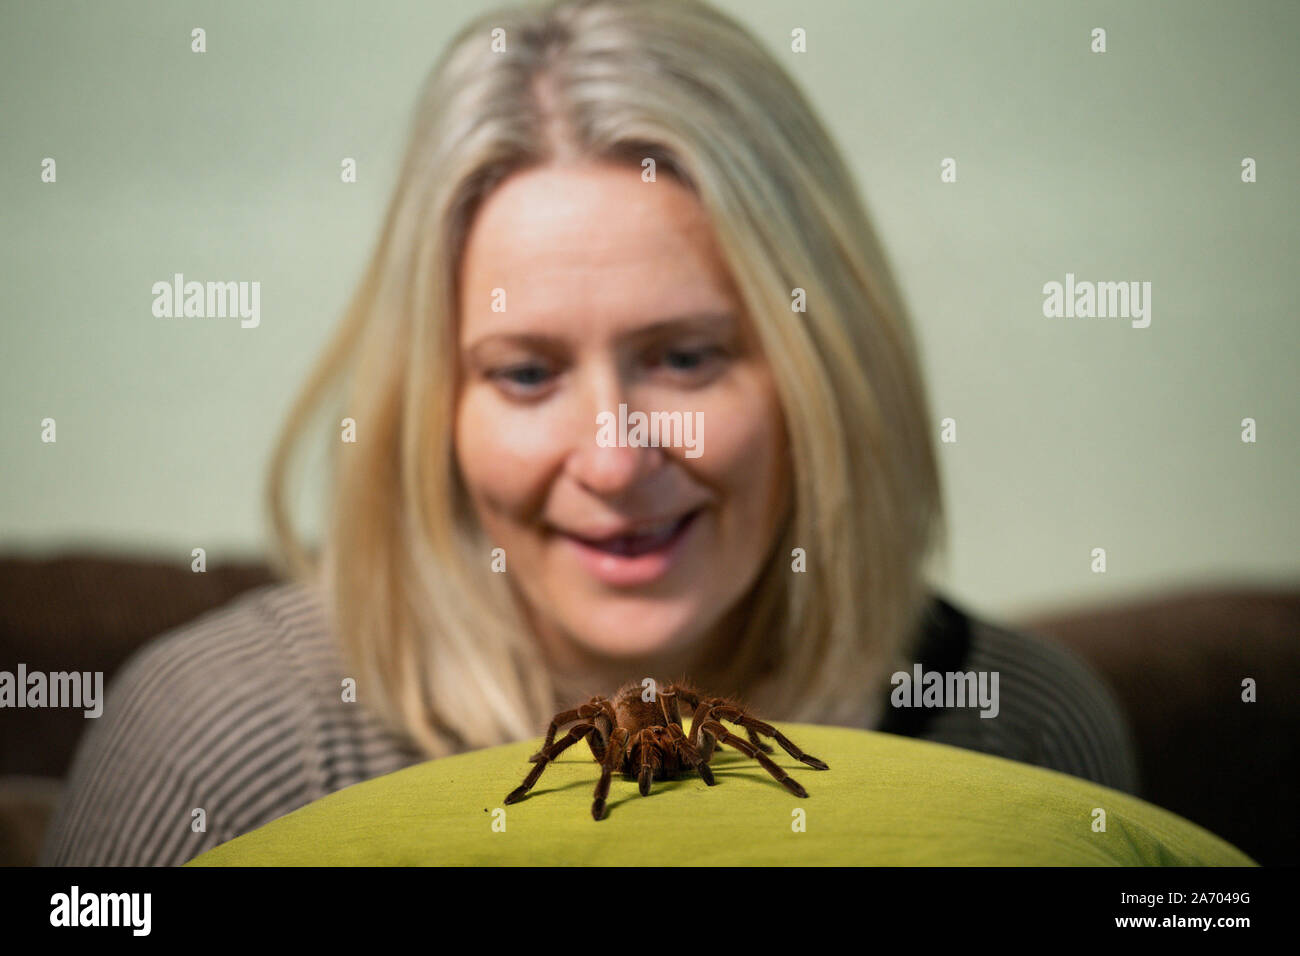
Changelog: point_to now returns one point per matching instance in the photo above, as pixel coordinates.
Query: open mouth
(652, 539)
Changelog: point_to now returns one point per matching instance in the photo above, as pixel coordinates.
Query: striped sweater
(239, 713)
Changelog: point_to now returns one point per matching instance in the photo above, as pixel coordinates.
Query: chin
(636, 628)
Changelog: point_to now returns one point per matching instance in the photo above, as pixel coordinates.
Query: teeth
(657, 529)
(643, 541)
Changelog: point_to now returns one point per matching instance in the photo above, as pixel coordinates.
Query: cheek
(503, 453)
(743, 457)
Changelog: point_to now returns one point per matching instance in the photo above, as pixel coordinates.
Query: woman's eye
(691, 360)
(522, 378)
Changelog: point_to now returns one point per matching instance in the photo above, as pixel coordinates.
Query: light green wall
(1072, 433)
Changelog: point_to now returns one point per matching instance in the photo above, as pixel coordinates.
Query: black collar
(943, 646)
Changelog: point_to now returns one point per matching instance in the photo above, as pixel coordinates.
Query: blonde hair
(436, 640)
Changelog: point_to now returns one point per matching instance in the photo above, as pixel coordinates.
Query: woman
(606, 209)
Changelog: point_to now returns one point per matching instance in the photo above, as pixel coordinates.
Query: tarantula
(644, 738)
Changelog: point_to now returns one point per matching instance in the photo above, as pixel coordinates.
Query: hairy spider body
(639, 733)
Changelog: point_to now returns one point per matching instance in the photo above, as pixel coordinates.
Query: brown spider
(644, 737)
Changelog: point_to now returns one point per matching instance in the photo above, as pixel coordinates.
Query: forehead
(591, 248)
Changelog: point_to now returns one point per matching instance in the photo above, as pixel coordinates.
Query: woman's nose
(611, 469)
(603, 457)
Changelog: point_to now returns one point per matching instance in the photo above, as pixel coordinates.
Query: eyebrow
(693, 322)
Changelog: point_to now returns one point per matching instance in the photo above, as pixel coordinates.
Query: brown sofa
(1175, 660)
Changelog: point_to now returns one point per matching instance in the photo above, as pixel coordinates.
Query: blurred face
(613, 293)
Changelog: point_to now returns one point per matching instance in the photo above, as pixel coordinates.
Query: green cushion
(886, 800)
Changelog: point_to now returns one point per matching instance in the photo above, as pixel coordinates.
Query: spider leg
(737, 716)
(581, 712)
(649, 762)
(750, 750)
(673, 715)
(700, 738)
(547, 755)
(698, 717)
(613, 758)
(684, 692)
(692, 697)
(606, 727)
(599, 738)
(690, 754)
(701, 716)
(668, 704)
